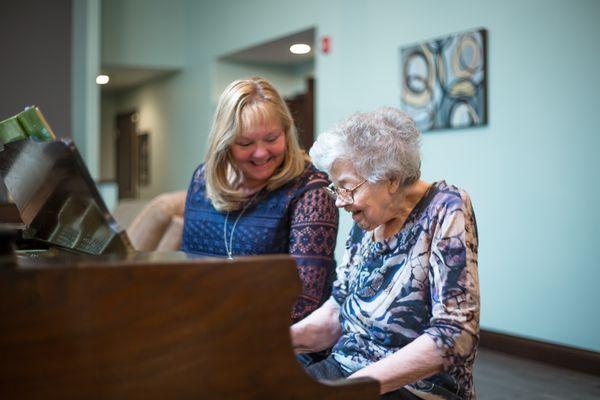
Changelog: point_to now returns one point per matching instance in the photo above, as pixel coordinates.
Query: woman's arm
(415, 361)
(319, 331)
(313, 230)
(454, 289)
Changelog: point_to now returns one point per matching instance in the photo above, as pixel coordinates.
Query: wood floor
(500, 376)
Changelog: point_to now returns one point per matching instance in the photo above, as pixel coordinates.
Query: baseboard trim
(549, 353)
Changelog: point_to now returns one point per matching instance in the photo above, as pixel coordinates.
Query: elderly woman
(257, 193)
(405, 305)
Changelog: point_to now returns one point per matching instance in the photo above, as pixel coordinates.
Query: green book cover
(34, 124)
(11, 130)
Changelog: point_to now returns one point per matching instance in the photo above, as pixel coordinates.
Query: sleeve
(313, 231)
(454, 325)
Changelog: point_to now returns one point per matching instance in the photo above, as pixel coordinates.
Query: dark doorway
(302, 108)
(127, 156)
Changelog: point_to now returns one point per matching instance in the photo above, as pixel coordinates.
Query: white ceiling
(273, 52)
(276, 52)
(124, 78)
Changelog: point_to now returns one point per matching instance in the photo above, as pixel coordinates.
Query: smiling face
(259, 150)
(372, 201)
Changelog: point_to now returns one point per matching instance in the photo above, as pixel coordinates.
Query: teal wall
(531, 172)
(85, 66)
(148, 33)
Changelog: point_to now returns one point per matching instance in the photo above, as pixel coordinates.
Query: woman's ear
(393, 185)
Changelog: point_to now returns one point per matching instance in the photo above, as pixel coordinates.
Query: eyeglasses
(346, 195)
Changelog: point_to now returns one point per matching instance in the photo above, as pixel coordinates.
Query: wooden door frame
(131, 162)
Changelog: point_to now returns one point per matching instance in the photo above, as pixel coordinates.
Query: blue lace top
(297, 219)
(423, 280)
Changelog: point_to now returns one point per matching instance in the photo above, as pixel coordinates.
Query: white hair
(381, 145)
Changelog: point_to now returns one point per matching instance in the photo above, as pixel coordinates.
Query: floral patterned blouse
(299, 219)
(423, 280)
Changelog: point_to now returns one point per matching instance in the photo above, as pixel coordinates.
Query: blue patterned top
(423, 280)
(299, 219)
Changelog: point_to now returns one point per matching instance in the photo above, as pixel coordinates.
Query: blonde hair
(243, 104)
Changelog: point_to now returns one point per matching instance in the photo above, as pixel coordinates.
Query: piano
(84, 315)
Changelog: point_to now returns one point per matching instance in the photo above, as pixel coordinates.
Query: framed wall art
(444, 81)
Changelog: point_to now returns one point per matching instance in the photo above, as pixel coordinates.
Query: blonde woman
(257, 192)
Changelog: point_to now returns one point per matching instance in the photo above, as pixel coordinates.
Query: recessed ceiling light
(299, 48)
(102, 79)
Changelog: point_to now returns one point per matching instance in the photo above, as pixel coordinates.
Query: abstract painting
(444, 81)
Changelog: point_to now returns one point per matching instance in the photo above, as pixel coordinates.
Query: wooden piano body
(162, 328)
